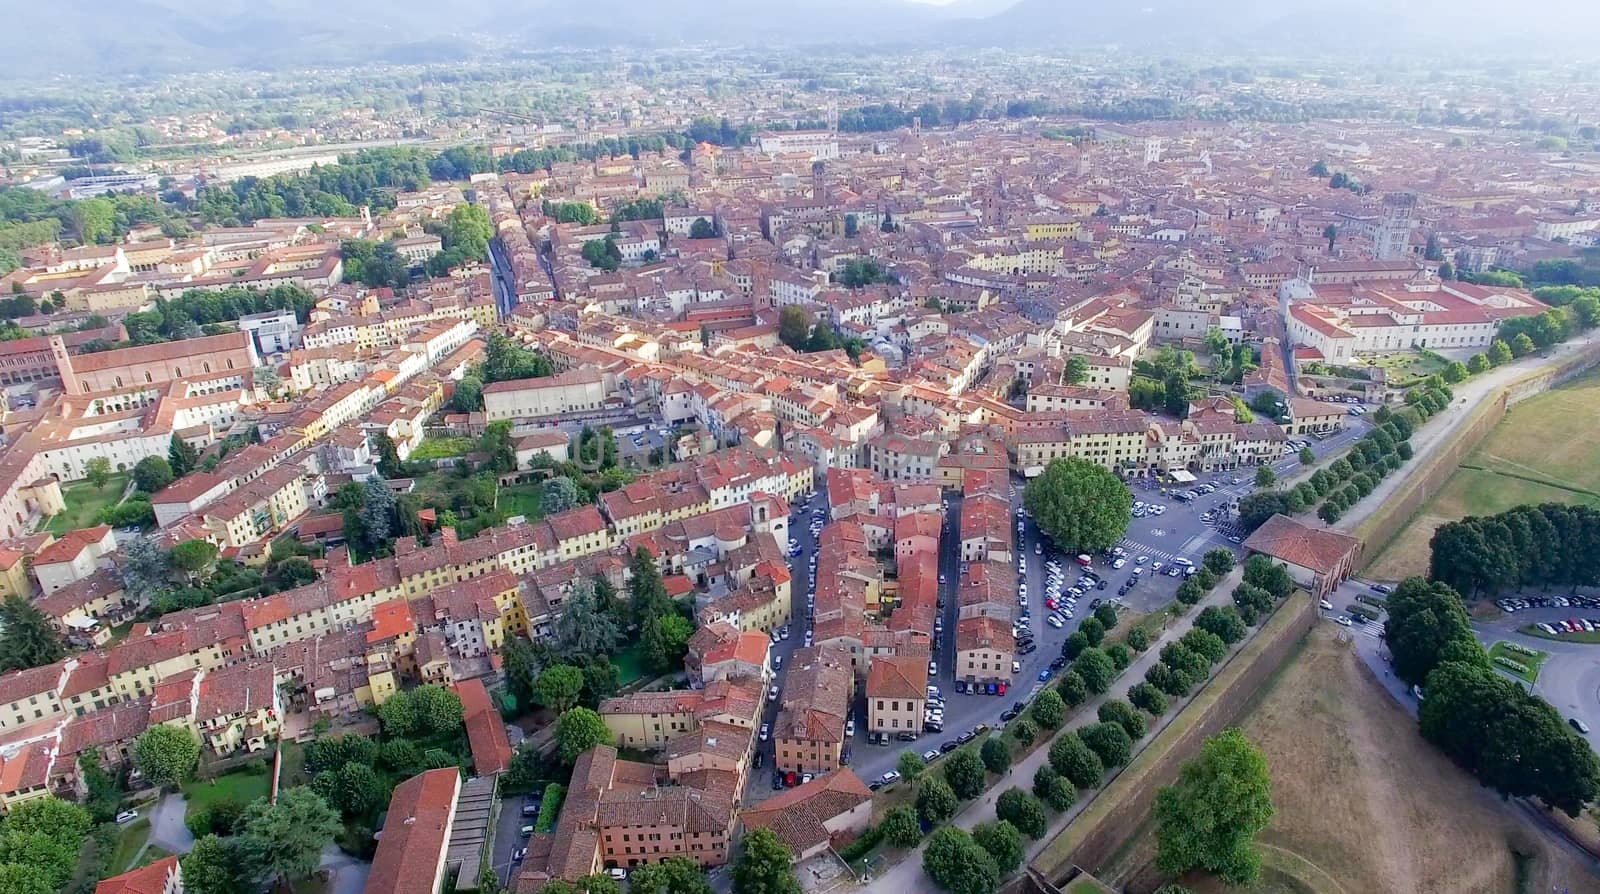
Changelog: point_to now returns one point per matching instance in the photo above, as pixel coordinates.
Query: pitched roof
(798, 814)
(491, 748)
(150, 879)
(415, 834)
(1318, 549)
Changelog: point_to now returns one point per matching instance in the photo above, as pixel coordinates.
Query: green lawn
(84, 502)
(130, 839)
(241, 786)
(440, 448)
(1406, 367)
(294, 766)
(522, 499)
(1531, 662)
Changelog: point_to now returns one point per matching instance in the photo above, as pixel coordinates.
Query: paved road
(167, 830)
(349, 874)
(907, 875)
(508, 835)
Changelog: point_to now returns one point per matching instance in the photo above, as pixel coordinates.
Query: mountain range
(151, 36)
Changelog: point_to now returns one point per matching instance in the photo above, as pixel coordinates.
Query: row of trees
(1550, 544)
(1510, 738)
(1349, 479)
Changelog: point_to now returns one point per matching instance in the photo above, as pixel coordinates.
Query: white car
(766, 731)
(772, 693)
(933, 668)
(1053, 621)
(1016, 667)
(127, 816)
(890, 776)
(1182, 561)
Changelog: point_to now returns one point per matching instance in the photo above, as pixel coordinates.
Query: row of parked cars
(1519, 603)
(1570, 625)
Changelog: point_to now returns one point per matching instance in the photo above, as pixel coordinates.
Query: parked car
(127, 816)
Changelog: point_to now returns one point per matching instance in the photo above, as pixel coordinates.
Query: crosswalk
(1135, 548)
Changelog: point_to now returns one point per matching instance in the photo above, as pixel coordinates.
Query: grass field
(1542, 452)
(1531, 662)
(522, 499)
(1361, 799)
(242, 787)
(1404, 367)
(130, 839)
(439, 448)
(84, 502)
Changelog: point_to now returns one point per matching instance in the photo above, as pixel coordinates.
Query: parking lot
(1569, 679)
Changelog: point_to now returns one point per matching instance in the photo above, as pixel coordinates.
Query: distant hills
(152, 36)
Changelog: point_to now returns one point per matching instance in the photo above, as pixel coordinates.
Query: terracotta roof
(798, 814)
(486, 734)
(1287, 540)
(897, 677)
(150, 879)
(414, 835)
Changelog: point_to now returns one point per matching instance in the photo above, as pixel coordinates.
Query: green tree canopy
(1080, 504)
(284, 840)
(936, 800)
(166, 755)
(579, 730)
(27, 637)
(765, 865)
(1210, 817)
(957, 864)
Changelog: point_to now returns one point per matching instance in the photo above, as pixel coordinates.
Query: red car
(1002, 689)
(1051, 604)
(789, 779)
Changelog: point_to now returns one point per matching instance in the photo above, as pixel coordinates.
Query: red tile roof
(412, 848)
(491, 749)
(150, 879)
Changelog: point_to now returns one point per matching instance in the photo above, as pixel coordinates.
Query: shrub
(1139, 639)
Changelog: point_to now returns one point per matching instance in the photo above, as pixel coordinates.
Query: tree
(1121, 656)
(674, 875)
(1148, 699)
(97, 471)
(1424, 619)
(1072, 688)
(44, 835)
(558, 686)
(1479, 363)
(936, 800)
(285, 840)
(21, 878)
(468, 396)
(1054, 789)
(181, 456)
(1223, 622)
(765, 865)
(214, 866)
(702, 229)
(333, 752)
(152, 473)
(1262, 572)
(1025, 730)
(900, 828)
(1081, 505)
(1219, 561)
(1455, 372)
(166, 755)
(579, 730)
(1138, 639)
(1096, 669)
(1109, 741)
(1074, 644)
(794, 326)
(965, 772)
(354, 790)
(1106, 614)
(1265, 477)
(27, 637)
(388, 463)
(1307, 457)
(1003, 843)
(1499, 352)
(647, 592)
(498, 444)
(582, 629)
(559, 495)
(1023, 810)
(1093, 630)
(1077, 370)
(910, 764)
(995, 755)
(1210, 817)
(1522, 345)
(194, 557)
(956, 863)
(666, 641)
(1048, 709)
(1330, 233)
(1256, 508)
(144, 569)
(1123, 714)
(1076, 761)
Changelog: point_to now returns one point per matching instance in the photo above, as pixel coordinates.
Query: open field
(1362, 800)
(84, 502)
(1542, 452)
(522, 499)
(130, 839)
(241, 786)
(1531, 662)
